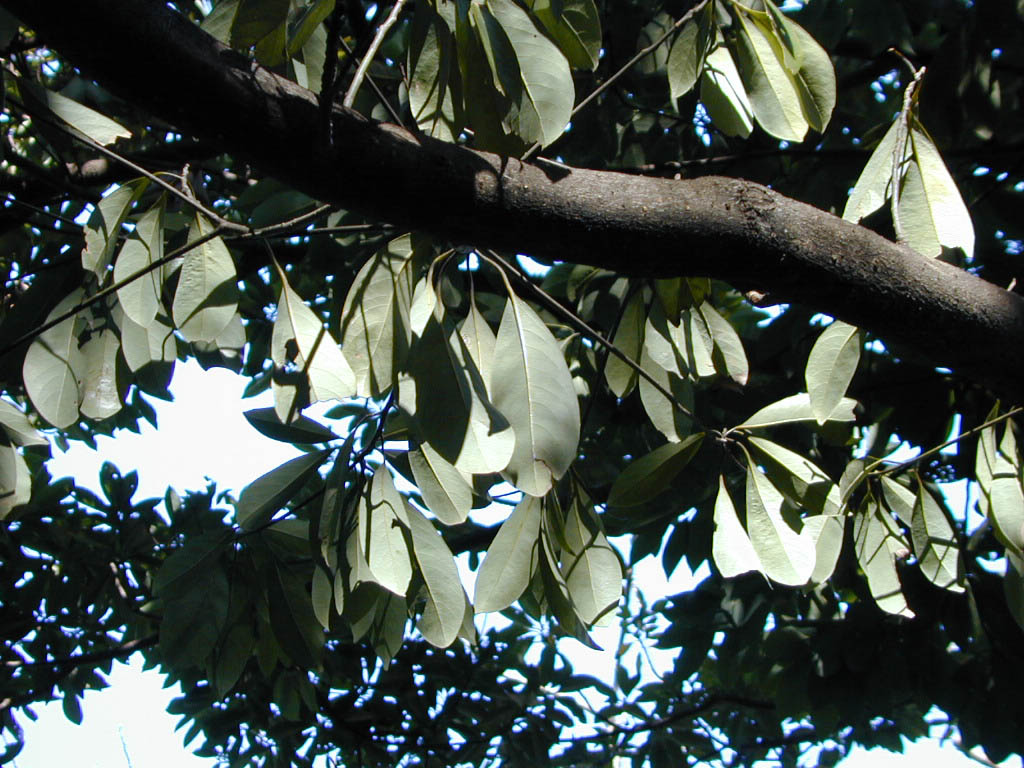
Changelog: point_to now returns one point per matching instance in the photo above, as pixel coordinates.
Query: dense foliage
(322, 612)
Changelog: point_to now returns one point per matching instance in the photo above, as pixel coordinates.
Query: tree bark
(734, 230)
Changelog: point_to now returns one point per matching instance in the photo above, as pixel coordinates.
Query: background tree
(258, 217)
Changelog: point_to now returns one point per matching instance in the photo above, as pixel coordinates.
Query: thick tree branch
(738, 231)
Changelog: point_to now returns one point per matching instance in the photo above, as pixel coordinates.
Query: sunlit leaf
(206, 296)
(731, 548)
(511, 558)
(827, 533)
(104, 227)
(447, 492)
(728, 356)
(879, 545)
(723, 94)
(796, 408)
(435, 98)
(935, 545)
(51, 365)
(1001, 496)
(874, 185)
(945, 214)
(771, 89)
(17, 427)
(629, 339)
(446, 600)
(15, 480)
(686, 58)
(382, 525)
(591, 568)
(81, 118)
(785, 555)
(531, 386)
(140, 299)
(798, 478)
(98, 376)
(830, 367)
(575, 25)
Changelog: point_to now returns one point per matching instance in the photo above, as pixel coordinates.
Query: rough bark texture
(738, 231)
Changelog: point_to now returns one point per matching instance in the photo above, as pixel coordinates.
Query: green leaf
(206, 297)
(932, 213)
(306, 22)
(575, 25)
(104, 227)
(723, 94)
(591, 567)
(935, 544)
(17, 427)
(511, 559)
(772, 92)
(256, 20)
(97, 374)
(796, 408)
(142, 346)
(1001, 497)
(1013, 588)
(798, 478)
(786, 556)
(50, 367)
(556, 590)
(15, 480)
(660, 360)
(728, 356)
(435, 97)
(189, 565)
(827, 533)
(263, 497)
(446, 599)
(879, 545)
(322, 595)
(81, 118)
(731, 548)
(874, 185)
(219, 21)
(291, 616)
(447, 492)
(686, 59)
(302, 430)
(649, 475)
(830, 367)
(375, 327)
(453, 412)
(548, 89)
(899, 500)
(531, 386)
(628, 339)
(693, 340)
(140, 299)
(382, 526)
(300, 339)
(816, 77)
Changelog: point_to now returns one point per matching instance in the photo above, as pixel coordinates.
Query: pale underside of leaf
(830, 367)
(731, 548)
(511, 558)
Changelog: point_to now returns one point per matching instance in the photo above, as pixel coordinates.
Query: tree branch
(733, 230)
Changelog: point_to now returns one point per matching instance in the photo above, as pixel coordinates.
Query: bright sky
(204, 434)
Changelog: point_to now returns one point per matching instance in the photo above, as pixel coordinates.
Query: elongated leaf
(830, 368)
(1001, 498)
(827, 533)
(591, 568)
(375, 326)
(140, 299)
(731, 548)
(206, 297)
(81, 118)
(382, 525)
(448, 493)
(190, 564)
(899, 500)
(815, 78)
(300, 339)
(511, 559)
(1013, 588)
(104, 227)
(575, 25)
(629, 339)
(728, 356)
(935, 543)
(50, 367)
(446, 600)
(15, 480)
(796, 408)
(879, 545)
(322, 596)
(263, 497)
(556, 589)
(935, 213)
(17, 427)
(649, 475)
(291, 616)
(531, 386)
(548, 89)
(798, 478)
(672, 422)
(142, 346)
(693, 341)
(874, 185)
(435, 98)
(786, 556)
(98, 376)
(723, 94)
(772, 91)
(303, 430)
(454, 414)
(686, 58)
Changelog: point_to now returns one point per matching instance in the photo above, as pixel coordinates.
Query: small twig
(392, 112)
(378, 39)
(628, 65)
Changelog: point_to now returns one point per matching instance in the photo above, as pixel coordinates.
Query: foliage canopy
(331, 199)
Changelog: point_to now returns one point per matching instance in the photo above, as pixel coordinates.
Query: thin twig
(628, 65)
(378, 39)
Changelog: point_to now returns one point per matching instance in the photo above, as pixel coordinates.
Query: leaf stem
(364, 65)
